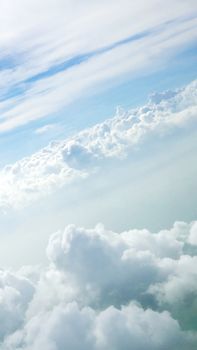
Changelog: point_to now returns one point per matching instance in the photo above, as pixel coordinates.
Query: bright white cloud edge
(79, 156)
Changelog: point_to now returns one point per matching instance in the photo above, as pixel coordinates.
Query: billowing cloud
(74, 328)
(78, 156)
(15, 294)
(105, 290)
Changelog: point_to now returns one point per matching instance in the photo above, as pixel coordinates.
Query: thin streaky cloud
(45, 70)
(49, 95)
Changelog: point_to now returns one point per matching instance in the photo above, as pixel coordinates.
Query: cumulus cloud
(77, 157)
(75, 328)
(104, 290)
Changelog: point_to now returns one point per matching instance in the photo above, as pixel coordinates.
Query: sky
(98, 208)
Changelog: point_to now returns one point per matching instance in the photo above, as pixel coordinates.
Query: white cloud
(85, 254)
(75, 328)
(46, 128)
(79, 156)
(95, 293)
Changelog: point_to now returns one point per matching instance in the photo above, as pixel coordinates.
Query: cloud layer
(81, 155)
(103, 290)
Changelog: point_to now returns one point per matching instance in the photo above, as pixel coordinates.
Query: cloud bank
(81, 155)
(105, 290)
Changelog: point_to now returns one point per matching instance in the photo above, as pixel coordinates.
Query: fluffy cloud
(86, 254)
(79, 156)
(105, 290)
(102, 264)
(75, 328)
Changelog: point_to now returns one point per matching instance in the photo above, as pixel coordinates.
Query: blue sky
(29, 61)
(90, 110)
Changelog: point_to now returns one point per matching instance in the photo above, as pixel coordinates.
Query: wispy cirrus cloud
(70, 53)
(46, 128)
